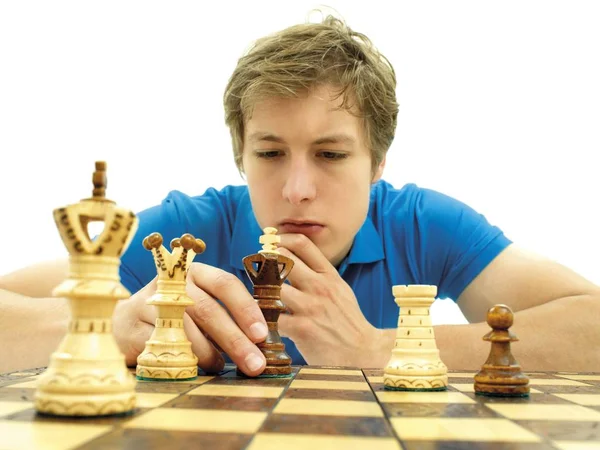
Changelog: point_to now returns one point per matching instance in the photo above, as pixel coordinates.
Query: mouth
(308, 228)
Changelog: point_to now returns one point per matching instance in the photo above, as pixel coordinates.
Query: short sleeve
(455, 242)
(208, 216)
(137, 264)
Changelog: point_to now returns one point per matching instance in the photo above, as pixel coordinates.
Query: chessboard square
(421, 397)
(47, 436)
(279, 441)
(576, 445)
(582, 399)
(163, 388)
(584, 377)
(461, 429)
(328, 407)
(237, 391)
(7, 408)
(314, 371)
(25, 384)
(375, 380)
(327, 425)
(345, 385)
(555, 382)
(17, 395)
(461, 374)
(333, 394)
(223, 403)
(544, 412)
(132, 438)
(468, 387)
(152, 400)
(426, 409)
(209, 420)
(327, 378)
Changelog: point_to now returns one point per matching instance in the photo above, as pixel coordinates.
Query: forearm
(30, 329)
(562, 335)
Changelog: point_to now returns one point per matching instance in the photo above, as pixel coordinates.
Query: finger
(284, 325)
(301, 275)
(234, 295)
(136, 342)
(209, 358)
(307, 251)
(292, 299)
(211, 317)
(292, 327)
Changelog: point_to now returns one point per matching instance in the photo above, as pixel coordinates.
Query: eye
(333, 156)
(267, 154)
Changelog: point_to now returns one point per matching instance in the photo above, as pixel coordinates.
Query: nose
(300, 186)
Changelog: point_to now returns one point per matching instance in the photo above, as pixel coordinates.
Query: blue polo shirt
(411, 235)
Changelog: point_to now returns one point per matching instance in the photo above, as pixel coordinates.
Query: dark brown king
(268, 271)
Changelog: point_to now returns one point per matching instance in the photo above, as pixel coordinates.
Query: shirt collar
(366, 248)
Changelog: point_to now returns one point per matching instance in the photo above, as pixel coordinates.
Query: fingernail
(258, 330)
(253, 362)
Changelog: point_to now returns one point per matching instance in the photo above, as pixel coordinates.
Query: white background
(500, 108)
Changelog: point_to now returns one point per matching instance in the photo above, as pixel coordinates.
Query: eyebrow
(331, 139)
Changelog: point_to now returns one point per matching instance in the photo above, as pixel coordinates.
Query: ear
(379, 171)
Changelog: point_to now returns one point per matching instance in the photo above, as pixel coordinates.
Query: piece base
(141, 378)
(84, 405)
(498, 394)
(84, 417)
(274, 375)
(407, 389)
(150, 373)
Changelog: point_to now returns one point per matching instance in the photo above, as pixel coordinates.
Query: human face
(309, 170)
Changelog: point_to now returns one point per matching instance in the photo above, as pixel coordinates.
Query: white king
(87, 374)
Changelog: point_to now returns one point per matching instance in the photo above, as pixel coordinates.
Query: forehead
(316, 111)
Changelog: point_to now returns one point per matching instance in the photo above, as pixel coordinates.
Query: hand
(325, 321)
(207, 324)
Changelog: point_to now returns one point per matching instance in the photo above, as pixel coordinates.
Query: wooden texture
(87, 375)
(415, 363)
(168, 353)
(268, 270)
(501, 374)
(316, 408)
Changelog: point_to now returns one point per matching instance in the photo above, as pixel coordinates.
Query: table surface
(318, 407)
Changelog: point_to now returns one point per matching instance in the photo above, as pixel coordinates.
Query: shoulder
(210, 216)
(447, 241)
(226, 200)
(411, 204)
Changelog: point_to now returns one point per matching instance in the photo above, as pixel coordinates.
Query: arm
(31, 329)
(556, 316)
(37, 280)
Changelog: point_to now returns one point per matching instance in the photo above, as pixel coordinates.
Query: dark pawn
(501, 374)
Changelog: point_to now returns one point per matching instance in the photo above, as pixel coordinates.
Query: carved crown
(173, 265)
(72, 221)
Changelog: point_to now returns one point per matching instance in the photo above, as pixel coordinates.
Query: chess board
(316, 408)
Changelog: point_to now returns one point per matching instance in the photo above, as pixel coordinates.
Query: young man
(312, 112)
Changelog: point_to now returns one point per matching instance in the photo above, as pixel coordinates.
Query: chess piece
(87, 374)
(272, 268)
(168, 353)
(501, 374)
(415, 364)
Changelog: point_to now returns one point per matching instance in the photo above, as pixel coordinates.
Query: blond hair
(296, 59)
